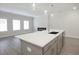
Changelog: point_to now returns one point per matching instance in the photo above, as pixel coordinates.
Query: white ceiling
(27, 8)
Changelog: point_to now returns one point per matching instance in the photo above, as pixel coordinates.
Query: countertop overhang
(39, 38)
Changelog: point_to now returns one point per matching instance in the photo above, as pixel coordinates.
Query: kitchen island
(41, 43)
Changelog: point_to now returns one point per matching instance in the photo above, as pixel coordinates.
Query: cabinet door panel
(50, 44)
(59, 43)
(30, 49)
(52, 50)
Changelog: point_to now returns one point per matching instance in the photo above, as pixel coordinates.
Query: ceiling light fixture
(74, 8)
(33, 4)
(45, 12)
(52, 15)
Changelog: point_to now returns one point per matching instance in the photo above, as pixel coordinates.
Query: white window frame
(26, 25)
(3, 27)
(16, 25)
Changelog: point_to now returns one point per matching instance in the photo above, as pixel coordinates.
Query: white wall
(10, 17)
(40, 21)
(67, 20)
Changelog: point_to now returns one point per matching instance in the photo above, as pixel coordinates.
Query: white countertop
(39, 38)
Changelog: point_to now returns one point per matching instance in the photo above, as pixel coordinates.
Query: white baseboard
(69, 36)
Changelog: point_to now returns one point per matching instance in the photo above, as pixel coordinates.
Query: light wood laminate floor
(71, 47)
(12, 46)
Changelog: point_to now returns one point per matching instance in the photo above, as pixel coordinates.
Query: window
(3, 25)
(26, 24)
(16, 24)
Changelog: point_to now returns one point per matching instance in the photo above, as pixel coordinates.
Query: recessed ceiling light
(45, 12)
(52, 15)
(33, 4)
(74, 8)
